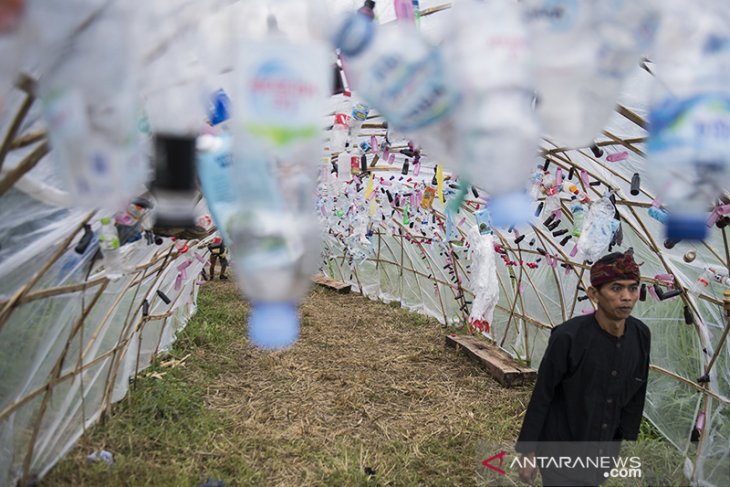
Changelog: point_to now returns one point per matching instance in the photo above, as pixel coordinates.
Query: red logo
(488, 462)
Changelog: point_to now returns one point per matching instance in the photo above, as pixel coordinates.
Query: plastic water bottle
(344, 165)
(689, 119)
(497, 131)
(400, 74)
(214, 163)
(90, 108)
(579, 214)
(359, 114)
(282, 84)
(109, 243)
(341, 126)
(600, 43)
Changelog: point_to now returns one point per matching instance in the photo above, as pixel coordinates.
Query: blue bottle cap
(219, 109)
(686, 227)
(273, 325)
(510, 209)
(354, 35)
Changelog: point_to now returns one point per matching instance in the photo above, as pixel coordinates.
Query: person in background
(591, 383)
(218, 252)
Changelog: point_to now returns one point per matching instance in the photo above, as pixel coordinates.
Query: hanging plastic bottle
(689, 119)
(400, 74)
(89, 105)
(344, 164)
(177, 100)
(497, 129)
(283, 81)
(341, 126)
(214, 163)
(579, 214)
(109, 243)
(359, 114)
(600, 43)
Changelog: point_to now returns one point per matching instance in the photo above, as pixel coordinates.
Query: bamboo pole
(26, 84)
(10, 305)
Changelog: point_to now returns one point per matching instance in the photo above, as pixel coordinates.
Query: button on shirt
(591, 385)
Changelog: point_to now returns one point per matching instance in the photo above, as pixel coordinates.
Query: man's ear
(592, 293)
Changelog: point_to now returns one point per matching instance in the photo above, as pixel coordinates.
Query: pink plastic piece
(617, 156)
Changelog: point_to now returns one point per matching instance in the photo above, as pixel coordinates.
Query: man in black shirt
(591, 383)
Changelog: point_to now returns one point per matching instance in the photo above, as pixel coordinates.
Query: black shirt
(590, 386)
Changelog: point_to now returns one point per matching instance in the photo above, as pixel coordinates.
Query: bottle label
(690, 138)
(412, 93)
(286, 88)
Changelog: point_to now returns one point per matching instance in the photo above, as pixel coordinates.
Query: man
(591, 383)
(218, 251)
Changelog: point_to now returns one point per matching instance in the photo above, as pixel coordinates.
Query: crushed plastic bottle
(283, 81)
(599, 227)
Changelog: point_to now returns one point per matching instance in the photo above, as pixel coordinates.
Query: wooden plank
(325, 281)
(498, 363)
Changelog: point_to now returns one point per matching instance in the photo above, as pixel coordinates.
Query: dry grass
(368, 396)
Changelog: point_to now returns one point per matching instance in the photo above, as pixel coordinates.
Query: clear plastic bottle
(214, 163)
(579, 214)
(282, 84)
(399, 73)
(344, 164)
(341, 126)
(89, 104)
(497, 131)
(359, 114)
(173, 85)
(689, 118)
(109, 243)
(599, 43)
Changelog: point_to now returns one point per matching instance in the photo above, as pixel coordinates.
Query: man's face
(616, 299)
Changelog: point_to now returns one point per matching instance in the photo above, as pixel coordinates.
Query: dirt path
(368, 396)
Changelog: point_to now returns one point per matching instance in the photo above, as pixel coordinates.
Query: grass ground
(368, 396)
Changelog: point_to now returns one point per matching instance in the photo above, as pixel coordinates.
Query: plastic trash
(109, 243)
(400, 74)
(689, 118)
(282, 84)
(89, 105)
(214, 163)
(599, 44)
(340, 133)
(599, 227)
(177, 100)
(359, 114)
(100, 456)
(579, 213)
(497, 130)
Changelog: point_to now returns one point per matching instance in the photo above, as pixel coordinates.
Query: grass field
(368, 396)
